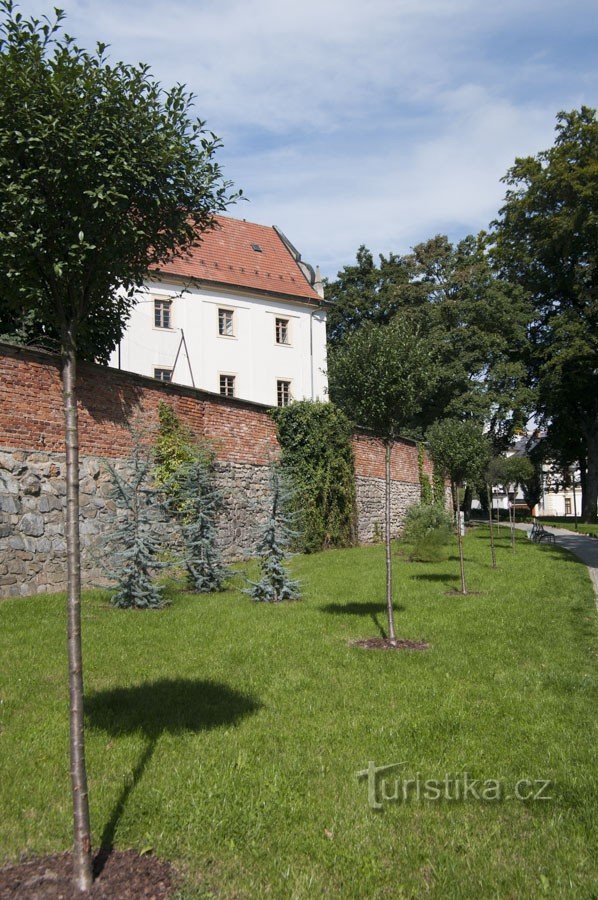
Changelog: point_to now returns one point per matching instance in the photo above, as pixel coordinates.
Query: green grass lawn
(226, 735)
(569, 523)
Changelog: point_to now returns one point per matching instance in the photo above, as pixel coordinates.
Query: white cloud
(391, 197)
(349, 122)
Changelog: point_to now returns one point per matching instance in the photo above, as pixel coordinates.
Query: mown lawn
(569, 524)
(226, 735)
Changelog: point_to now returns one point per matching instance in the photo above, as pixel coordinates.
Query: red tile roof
(225, 256)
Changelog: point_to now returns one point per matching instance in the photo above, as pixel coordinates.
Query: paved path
(585, 548)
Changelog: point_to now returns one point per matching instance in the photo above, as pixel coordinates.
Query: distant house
(560, 497)
(241, 315)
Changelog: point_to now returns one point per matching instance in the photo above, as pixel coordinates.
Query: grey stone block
(10, 504)
(32, 486)
(32, 525)
(49, 502)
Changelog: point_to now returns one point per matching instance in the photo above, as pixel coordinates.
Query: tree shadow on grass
(434, 576)
(168, 706)
(373, 610)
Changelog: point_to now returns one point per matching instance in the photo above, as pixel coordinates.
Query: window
(283, 393)
(567, 506)
(226, 323)
(162, 314)
(227, 385)
(163, 374)
(282, 331)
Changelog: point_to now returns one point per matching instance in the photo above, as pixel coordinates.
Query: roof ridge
(243, 221)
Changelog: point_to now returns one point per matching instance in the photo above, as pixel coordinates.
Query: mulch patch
(123, 875)
(380, 643)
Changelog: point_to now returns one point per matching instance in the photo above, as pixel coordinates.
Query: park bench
(539, 534)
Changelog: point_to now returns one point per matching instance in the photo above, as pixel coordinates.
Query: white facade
(258, 355)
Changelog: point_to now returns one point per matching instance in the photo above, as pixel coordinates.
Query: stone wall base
(32, 504)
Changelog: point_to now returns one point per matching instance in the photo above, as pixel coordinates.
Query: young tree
(511, 472)
(199, 503)
(545, 240)
(461, 452)
(184, 468)
(103, 175)
(382, 375)
(135, 541)
(275, 584)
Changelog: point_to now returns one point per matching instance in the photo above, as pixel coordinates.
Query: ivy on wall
(432, 489)
(317, 455)
(424, 480)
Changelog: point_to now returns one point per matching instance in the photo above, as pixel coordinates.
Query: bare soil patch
(380, 643)
(123, 875)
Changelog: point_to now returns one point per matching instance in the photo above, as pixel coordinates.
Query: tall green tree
(103, 174)
(478, 321)
(364, 292)
(383, 375)
(461, 452)
(546, 240)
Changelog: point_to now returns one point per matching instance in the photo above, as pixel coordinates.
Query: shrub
(428, 527)
(317, 460)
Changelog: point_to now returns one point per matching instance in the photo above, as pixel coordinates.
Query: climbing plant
(174, 448)
(439, 487)
(317, 458)
(424, 479)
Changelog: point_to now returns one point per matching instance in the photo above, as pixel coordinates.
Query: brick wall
(242, 433)
(31, 416)
(31, 410)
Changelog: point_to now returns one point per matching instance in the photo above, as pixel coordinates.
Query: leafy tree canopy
(510, 470)
(546, 240)
(103, 173)
(477, 322)
(459, 449)
(364, 292)
(382, 375)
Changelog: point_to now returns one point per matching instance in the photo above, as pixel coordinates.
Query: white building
(560, 497)
(241, 315)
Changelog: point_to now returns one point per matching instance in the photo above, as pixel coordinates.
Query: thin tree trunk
(490, 522)
(459, 536)
(467, 501)
(82, 873)
(389, 606)
(512, 519)
(589, 499)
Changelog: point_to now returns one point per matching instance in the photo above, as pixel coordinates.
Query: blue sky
(348, 122)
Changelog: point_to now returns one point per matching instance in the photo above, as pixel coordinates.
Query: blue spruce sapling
(135, 540)
(198, 503)
(275, 584)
